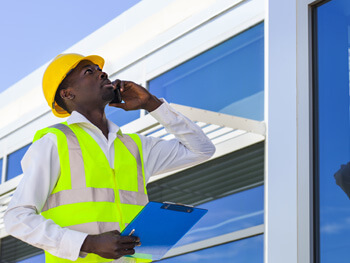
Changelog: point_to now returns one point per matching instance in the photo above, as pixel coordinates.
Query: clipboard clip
(177, 207)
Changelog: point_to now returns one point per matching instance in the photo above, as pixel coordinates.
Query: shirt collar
(77, 117)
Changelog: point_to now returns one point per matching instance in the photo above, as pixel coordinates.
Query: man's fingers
(125, 252)
(126, 85)
(122, 85)
(118, 105)
(127, 246)
(116, 82)
(129, 239)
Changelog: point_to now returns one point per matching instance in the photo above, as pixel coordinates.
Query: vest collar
(77, 117)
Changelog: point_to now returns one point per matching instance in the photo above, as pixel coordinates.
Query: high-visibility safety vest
(90, 196)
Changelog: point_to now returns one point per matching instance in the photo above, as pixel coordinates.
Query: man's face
(90, 85)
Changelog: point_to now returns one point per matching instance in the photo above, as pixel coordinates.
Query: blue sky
(34, 32)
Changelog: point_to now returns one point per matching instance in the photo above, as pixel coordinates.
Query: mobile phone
(117, 95)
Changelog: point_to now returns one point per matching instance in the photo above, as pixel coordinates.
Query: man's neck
(97, 118)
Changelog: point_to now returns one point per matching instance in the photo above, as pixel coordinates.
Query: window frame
(294, 68)
(315, 220)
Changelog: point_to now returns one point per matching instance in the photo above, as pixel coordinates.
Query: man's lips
(108, 85)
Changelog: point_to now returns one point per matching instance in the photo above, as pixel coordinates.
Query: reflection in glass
(14, 163)
(228, 214)
(228, 78)
(333, 27)
(246, 250)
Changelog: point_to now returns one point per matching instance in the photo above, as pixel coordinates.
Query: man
(342, 178)
(84, 180)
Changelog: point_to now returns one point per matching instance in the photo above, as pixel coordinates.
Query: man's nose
(103, 75)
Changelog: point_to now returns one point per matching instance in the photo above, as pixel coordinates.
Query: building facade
(267, 81)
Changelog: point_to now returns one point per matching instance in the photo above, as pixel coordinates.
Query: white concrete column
(281, 142)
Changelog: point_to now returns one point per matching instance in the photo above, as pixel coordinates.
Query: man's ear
(67, 94)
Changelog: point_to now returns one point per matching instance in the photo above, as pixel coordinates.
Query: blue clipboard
(160, 226)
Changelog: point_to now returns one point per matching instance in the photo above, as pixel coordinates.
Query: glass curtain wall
(228, 78)
(14, 250)
(231, 209)
(14, 163)
(245, 250)
(332, 130)
(35, 259)
(1, 160)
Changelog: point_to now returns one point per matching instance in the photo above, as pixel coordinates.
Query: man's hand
(135, 97)
(110, 245)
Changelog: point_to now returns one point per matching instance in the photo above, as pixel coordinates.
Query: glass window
(228, 78)
(231, 213)
(121, 117)
(14, 163)
(35, 259)
(214, 179)
(332, 153)
(230, 187)
(0, 169)
(245, 250)
(15, 250)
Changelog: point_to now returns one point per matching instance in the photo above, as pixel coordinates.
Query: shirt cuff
(71, 244)
(164, 113)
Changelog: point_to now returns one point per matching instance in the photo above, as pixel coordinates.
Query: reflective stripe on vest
(79, 193)
(78, 201)
(129, 197)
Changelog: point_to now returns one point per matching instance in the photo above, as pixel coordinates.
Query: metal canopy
(228, 133)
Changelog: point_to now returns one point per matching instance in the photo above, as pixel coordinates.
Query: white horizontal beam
(9, 185)
(4, 201)
(147, 123)
(140, 125)
(221, 119)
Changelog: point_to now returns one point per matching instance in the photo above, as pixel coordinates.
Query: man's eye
(89, 71)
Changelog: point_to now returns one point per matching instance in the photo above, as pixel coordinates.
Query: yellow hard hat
(57, 71)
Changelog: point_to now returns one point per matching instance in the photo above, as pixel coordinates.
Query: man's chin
(108, 97)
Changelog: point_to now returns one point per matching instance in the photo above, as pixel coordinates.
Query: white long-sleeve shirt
(41, 170)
